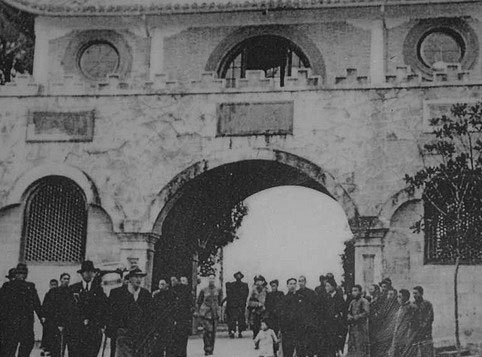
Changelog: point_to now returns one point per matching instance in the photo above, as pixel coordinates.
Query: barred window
(55, 222)
(444, 236)
(274, 55)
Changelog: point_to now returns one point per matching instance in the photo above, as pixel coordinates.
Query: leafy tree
(216, 236)
(348, 263)
(451, 180)
(16, 43)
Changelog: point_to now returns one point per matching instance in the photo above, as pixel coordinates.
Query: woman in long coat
(358, 340)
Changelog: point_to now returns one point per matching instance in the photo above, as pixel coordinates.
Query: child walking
(265, 341)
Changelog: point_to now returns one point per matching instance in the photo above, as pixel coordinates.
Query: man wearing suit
(237, 293)
(131, 314)
(18, 304)
(89, 315)
(111, 327)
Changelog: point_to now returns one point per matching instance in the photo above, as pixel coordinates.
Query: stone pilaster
(368, 251)
(138, 249)
(158, 36)
(41, 52)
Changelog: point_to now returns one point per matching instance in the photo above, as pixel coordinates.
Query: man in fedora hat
(237, 293)
(18, 303)
(89, 316)
(131, 315)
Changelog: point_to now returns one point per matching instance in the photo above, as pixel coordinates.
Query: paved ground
(224, 347)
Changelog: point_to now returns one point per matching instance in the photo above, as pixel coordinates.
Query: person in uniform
(357, 317)
(182, 318)
(209, 304)
(289, 319)
(237, 293)
(90, 314)
(334, 325)
(423, 324)
(273, 302)
(309, 305)
(320, 289)
(18, 303)
(403, 335)
(131, 314)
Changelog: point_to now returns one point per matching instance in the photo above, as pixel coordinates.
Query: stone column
(377, 52)
(41, 52)
(138, 249)
(158, 36)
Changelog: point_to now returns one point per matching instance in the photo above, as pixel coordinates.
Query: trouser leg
(27, 341)
(241, 319)
(288, 344)
(10, 342)
(232, 318)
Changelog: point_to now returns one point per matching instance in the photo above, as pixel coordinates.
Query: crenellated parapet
(255, 80)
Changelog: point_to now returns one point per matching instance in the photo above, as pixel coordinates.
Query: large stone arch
(297, 37)
(167, 197)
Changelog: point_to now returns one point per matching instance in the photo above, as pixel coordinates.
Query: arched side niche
(21, 185)
(305, 45)
(402, 247)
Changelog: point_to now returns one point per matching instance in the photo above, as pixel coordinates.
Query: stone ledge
(255, 81)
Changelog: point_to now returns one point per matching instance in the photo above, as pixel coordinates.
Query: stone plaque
(435, 108)
(60, 126)
(268, 118)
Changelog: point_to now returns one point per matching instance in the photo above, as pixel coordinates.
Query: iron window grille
(55, 222)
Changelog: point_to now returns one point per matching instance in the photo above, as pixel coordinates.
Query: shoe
(240, 335)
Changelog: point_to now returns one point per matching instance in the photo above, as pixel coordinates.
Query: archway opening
(200, 203)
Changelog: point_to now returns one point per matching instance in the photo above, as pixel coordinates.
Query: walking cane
(61, 329)
(104, 345)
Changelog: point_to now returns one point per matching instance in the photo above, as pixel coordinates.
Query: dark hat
(275, 281)
(11, 273)
(87, 266)
(135, 271)
(21, 268)
(239, 273)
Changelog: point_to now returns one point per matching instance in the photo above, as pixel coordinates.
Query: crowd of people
(303, 322)
(323, 321)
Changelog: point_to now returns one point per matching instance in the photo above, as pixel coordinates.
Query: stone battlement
(208, 82)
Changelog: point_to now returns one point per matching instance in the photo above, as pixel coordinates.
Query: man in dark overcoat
(58, 308)
(289, 319)
(237, 293)
(90, 313)
(111, 327)
(273, 302)
(131, 314)
(333, 322)
(309, 305)
(163, 323)
(18, 303)
(182, 319)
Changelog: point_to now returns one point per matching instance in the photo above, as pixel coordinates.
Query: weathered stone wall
(367, 139)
